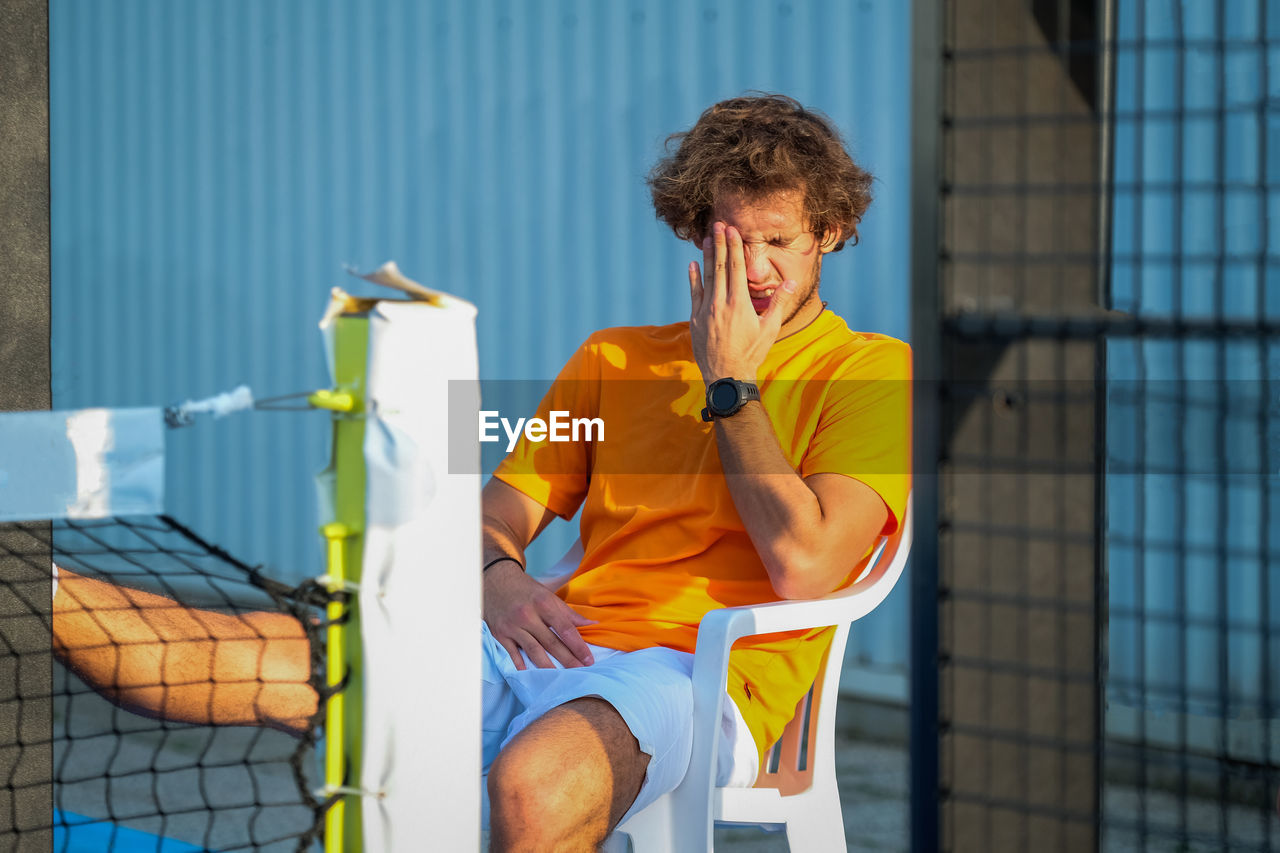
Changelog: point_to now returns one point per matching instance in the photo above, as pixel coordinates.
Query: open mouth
(760, 299)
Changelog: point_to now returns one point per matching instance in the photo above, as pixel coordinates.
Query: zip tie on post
(332, 584)
(183, 414)
(329, 790)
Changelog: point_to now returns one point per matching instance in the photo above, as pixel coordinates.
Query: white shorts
(653, 691)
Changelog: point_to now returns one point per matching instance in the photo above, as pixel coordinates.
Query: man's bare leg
(159, 658)
(565, 781)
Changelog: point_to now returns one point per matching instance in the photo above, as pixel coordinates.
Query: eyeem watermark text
(560, 427)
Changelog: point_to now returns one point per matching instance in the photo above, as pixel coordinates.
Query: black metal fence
(1098, 425)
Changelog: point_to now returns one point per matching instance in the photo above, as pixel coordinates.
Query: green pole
(344, 538)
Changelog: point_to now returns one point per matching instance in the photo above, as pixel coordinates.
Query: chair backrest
(788, 766)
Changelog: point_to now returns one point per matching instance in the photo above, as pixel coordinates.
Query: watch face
(723, 396)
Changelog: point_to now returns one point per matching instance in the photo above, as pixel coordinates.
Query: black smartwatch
(726, 396)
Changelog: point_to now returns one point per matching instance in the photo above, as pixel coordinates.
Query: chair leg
(617, 842)
(819, 828)
(651, 830)
(813, 837)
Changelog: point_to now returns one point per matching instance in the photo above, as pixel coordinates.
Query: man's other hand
(523, 615)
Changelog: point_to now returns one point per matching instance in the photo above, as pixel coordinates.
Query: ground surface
(245, 776)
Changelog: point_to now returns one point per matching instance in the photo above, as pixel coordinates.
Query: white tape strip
(89, 463)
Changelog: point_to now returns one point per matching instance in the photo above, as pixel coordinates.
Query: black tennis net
(150, 623)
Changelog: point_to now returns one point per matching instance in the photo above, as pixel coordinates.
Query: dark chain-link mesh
(117, 774)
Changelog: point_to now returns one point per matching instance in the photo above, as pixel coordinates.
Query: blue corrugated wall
(215, 164)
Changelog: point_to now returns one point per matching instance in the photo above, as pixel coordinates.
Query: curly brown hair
(758, 145)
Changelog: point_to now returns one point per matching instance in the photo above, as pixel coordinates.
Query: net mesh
(139, 602)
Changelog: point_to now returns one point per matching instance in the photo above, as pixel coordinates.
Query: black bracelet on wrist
(499, 560)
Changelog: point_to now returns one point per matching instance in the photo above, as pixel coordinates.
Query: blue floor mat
(73, 833)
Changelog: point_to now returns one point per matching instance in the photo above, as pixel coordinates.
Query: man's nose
(757, 258)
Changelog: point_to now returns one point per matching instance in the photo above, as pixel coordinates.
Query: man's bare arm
(522, 614)
(807, 531)
(810, 531)
(161, 659)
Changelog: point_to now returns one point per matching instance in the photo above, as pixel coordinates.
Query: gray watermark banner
(1181, 427)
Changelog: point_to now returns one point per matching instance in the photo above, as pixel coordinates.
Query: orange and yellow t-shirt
(663, 541)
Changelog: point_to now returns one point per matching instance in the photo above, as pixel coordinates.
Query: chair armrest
(720, 629)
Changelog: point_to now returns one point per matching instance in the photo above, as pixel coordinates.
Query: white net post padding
(420, 590)
(89, 463)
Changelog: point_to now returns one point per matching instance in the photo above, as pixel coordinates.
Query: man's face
(778, 245)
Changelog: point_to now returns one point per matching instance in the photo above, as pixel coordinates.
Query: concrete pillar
(26, 753)
(1021, 236)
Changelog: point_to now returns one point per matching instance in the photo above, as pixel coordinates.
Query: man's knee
(518, 800)
(571, 773)
(531, 802)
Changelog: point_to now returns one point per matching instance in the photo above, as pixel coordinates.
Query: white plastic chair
(806, 803)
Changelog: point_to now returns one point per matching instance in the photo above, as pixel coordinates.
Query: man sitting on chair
(762, 457)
